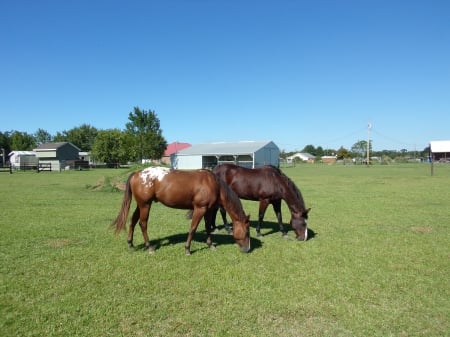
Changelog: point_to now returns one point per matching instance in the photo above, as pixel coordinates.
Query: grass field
(378, 263)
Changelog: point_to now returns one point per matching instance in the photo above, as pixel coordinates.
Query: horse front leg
(210, 220)
(262, 210)
(277, 209)
(197, 215)
(223, 213)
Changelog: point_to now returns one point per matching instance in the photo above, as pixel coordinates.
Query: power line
(396, 141)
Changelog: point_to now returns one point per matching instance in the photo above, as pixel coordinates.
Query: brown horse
(199, 191)
(268, 185)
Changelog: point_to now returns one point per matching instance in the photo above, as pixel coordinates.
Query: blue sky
(294, 72)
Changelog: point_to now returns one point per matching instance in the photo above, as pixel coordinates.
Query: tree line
(141, 138)
(359, 151)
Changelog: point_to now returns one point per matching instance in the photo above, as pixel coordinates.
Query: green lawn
(378, 263)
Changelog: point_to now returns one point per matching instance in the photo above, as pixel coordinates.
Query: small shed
(251, 154)
(57, 154)
(329, 159)
(440, 151)
(23, 160)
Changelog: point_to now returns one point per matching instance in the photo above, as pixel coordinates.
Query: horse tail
(121, 220)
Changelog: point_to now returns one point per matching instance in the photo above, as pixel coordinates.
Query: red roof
(175, 147)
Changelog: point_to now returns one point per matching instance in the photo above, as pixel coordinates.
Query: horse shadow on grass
(219, 237)
(271, 228)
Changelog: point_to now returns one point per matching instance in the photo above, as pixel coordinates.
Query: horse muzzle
(245, 249)
(305, 237)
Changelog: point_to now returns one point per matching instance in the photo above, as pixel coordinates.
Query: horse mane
(290, 184)
(232, 200)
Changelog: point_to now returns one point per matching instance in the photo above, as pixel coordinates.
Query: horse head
(299, 223)
(241, 233)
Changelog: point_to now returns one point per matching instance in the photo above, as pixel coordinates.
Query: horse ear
(307, 211)
(248, 217)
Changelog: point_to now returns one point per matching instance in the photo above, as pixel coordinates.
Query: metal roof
(440, 146)
(302, 155)
(53, 146)
(22, 153)
(225, 148)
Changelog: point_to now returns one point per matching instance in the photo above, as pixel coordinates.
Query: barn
(57, 155)
(249, 154)
(440, 150)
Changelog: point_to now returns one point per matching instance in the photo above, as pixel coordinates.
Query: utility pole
(369, 126)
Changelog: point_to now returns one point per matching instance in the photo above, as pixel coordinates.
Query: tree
(343, 153)
(319, 151)
(22, 141)
(110, 147)
(360, 148)
(144, 128)
(310, 149)
(82, 136)
(41, 136)
(5, 149)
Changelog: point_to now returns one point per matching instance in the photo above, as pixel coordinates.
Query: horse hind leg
(209, 226)
(223, 213)
(143, 220)
(134, 220)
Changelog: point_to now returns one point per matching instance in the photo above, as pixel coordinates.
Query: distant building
(329, 159)
(57, 154)
(440, 150)
(23, 160)
(302, 156)
(249, 154)
(171, 149)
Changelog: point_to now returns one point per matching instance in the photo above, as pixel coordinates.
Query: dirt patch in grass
(119, 185)
(58, 243)
(108, 184)
(423, 229)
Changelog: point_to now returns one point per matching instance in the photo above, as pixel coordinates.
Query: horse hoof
(187, 252)
(212, 247)
(258, 234)
(285, 236)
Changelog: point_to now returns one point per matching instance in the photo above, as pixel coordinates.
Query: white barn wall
(187, 162)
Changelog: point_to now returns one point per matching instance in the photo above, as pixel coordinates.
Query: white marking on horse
(149, 174)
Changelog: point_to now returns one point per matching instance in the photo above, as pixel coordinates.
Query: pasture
(378, 263)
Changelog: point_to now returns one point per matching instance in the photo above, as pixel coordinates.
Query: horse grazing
(268, 185)
(198, 191)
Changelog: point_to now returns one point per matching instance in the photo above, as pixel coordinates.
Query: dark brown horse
(268, 185)
(199, 191)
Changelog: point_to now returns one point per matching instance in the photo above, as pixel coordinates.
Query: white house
(250, 154)
(302, 156)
